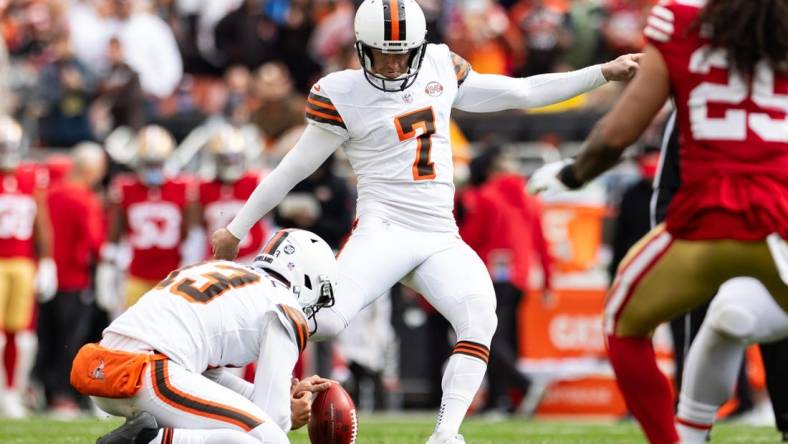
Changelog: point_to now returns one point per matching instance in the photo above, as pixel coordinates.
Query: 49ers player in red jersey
(155, 213)
(725, 64)
(222, 197)
(25, 233)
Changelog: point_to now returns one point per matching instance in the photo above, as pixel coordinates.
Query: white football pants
(448, 273)
(191, 408)
(743, 312)
(440, 266)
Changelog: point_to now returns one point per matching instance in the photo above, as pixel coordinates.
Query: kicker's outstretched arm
(311, 150)
(490, 92)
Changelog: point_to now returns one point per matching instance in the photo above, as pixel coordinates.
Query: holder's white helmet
(394, 27)
(306, 260)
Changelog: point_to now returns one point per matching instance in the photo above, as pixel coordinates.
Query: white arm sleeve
(226, 379)
(311, 150)
(490, 92)
(272, 379)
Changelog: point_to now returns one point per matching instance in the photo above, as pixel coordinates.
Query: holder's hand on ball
(301, 398)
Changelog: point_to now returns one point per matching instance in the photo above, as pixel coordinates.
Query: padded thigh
(456, 282)
(744, 309)
(681, 276)
(377, 255)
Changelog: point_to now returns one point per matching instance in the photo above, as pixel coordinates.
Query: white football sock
(694, 420)
(26, 348)
(461, 380)
(710, 373)
(691, 435)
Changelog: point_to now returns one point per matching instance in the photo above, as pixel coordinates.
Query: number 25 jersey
(397, 142)
(733, 133)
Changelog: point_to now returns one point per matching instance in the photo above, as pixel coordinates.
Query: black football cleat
(133, 427)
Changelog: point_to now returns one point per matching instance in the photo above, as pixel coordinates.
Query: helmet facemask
(325, 299)
(384, 83)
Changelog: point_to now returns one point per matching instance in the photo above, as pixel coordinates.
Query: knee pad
(328, 323)
(732, 319)
(474, 319)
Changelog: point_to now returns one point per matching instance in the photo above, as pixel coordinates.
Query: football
(333, 419)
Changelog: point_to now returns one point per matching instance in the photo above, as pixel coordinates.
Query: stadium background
(99, 70)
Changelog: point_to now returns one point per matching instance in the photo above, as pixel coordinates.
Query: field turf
(401, 429)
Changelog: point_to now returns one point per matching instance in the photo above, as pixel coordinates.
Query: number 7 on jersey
(407, 125)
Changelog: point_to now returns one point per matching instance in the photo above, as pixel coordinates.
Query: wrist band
(568, 177)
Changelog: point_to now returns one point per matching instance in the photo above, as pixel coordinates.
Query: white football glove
(545, 178)
(108, 287)
(46, 279)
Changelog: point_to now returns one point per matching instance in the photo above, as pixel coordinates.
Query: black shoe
(133, 426)
(785, 436)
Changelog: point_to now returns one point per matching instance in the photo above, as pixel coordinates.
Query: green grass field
(405, 430)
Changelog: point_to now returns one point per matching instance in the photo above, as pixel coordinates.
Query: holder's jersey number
(206, 286)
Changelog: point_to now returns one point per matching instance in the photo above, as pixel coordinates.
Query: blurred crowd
(216, 88)
(74, 70)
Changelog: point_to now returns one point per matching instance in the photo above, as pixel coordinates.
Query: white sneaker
(446, 439)
(11, 405)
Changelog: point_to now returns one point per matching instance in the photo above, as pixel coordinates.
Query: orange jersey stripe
(299, 325)
(325, 116)
(166, 437)
(321, 104)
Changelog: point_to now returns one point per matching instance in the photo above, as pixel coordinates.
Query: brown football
(333, 419)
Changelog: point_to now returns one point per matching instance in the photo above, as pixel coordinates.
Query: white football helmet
(306, 260)
(394, 27)
(11, 136)
(154, 145)
(228, 149)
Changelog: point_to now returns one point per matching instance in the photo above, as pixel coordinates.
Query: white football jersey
(397, 142)
(212, 314)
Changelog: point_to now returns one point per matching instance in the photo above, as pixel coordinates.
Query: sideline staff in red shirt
(64, 321)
